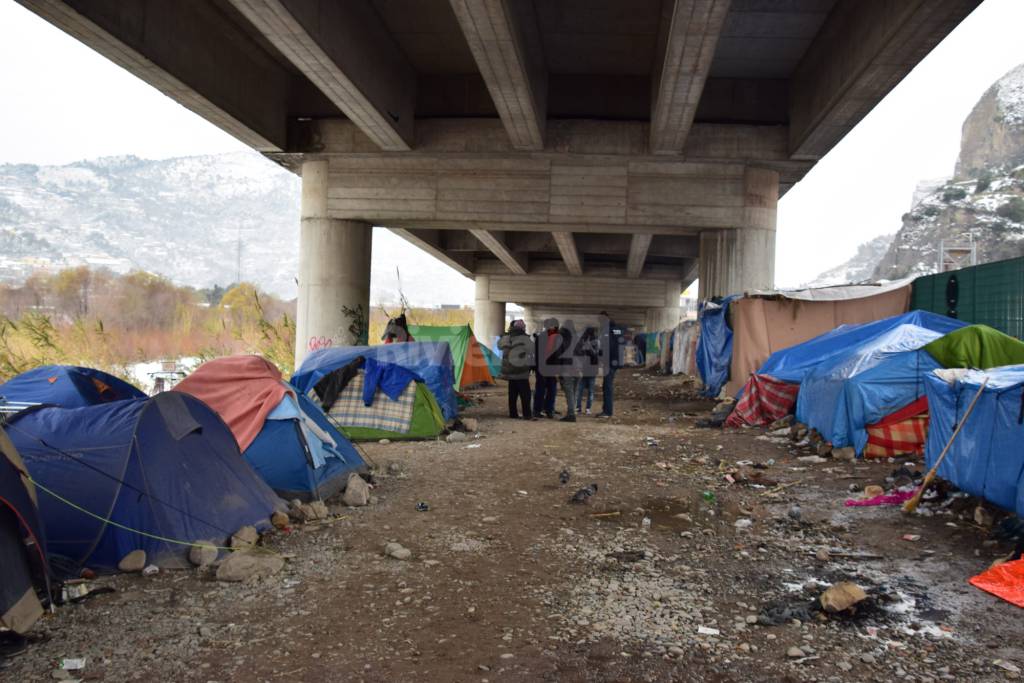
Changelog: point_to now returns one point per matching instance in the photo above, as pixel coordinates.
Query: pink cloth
(243, 390)
(898, 498)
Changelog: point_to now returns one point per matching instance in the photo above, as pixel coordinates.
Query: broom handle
(935, 468)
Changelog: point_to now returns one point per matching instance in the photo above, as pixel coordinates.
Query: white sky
(61, 102)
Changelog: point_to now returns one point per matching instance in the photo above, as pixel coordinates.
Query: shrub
(1012, 210)
(984, 181)
(952, 194)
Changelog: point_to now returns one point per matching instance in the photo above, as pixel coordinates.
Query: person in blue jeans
(590, 353)
(611, 360)
(547, 343)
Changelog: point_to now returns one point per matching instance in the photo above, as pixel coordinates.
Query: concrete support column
(743, 259)
(530, 318)
(488, 316)
(334, 272)
(660, 319)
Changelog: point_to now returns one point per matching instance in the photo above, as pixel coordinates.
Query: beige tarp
(762, 325)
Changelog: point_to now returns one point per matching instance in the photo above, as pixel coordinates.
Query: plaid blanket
(349, 410)
(901, 433)
(765, 400)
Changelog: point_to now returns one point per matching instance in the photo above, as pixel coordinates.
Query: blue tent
(166, 466)
(428, 361)
(67, 386)
(987, 459)
(792, 364)
(714, 348)
(874, 378)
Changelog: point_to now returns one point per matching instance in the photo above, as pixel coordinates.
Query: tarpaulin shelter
(23, 570)
(684, 348)
(986, 459)
(282, 434)
(778, 378)
(430, 361)
(714, 348)
(468, 357)
(142, 474)
(765, 322)
(67, 386)
(875, 378)
(977, 346)
(493, 360)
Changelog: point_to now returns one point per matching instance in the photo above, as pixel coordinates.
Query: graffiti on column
(358, 327)
(317, 343)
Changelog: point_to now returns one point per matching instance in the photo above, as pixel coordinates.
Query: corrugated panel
(991, 294)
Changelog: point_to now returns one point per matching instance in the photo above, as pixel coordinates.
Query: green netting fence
(991, 294)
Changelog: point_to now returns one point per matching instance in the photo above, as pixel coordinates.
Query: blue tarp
(429, 361)
(986, 459)
(793, 363)
(300, 454)
(874, 378)
(714, 348)
(67, 386)
(167, 466)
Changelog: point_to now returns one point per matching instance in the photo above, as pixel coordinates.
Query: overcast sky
(62, 102)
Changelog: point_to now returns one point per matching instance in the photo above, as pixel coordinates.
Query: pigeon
(584, 494)
(563, 477)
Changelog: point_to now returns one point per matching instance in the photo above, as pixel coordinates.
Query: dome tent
(283, 435)
(68, 386)
(471, 363)
(166, 466)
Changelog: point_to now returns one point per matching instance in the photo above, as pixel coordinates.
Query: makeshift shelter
(714, 348)
(986, 459)
(468, 358)
(684, 348)
(429, 361)
(282, 434)
(23, 570)
(977, 346)
(771, 392)
(145, 474)
(67, 386)
(493, 360)
(873, 379)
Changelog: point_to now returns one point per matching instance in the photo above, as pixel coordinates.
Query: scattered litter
(743, 523)
(72, 663)
(473, 445)
(151, 570)
(911, 537)
(842, 596)
(422, 506)
(1007, 666)
(1005, 581)
(812, 459)
(707, 631)
(522, 492)
(894, 498)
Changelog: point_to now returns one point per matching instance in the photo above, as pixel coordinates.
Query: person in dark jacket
(546, 388)
(611, 345)
(590, 354)
(640, 342)
(517, 360)
(569, 362)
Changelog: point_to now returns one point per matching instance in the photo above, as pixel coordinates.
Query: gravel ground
(669, 573)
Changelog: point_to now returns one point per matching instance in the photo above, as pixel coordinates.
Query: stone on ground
(471, 424)
(135, 561)
(842, 596)
(397, 551)
(245, 565)
(357, 491)
(279, 520)
(202, 554)
(455, 437)
(245, 537)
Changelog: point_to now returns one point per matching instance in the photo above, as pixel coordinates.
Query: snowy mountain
(859, 268)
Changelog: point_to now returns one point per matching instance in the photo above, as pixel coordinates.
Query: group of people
(559, 355)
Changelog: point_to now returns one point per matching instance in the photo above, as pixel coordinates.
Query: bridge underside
(569, 155)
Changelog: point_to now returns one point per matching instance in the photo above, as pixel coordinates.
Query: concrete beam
(207, 64)
(345, 49)
(638, 247)
(566, 244)
(495, 243)
(864, 49)
(505, 42)
(689, 34)
(556, 267)
(584, 291)
(432, 242)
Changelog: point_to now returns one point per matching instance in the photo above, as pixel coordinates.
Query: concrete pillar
(488, 316)
(743, 259)
(660, 319)
(334, 272)
(530, 317)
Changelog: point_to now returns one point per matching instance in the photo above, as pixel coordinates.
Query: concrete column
(488, 316)
(660, 319)
(530, 318)
(334, 272)
(743, 259)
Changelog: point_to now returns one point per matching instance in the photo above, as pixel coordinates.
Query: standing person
(547, 341)
(570, 364)
(612, 359)
(517, 359)
(640, 342)
(590, 350)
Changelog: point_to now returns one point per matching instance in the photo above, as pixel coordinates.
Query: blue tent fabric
(714, 348)
(792, 364)
(986, 460)
(300, 454)
(390, 378)
(872, 379)
(67, 386)
(120, 462)
(431, 362)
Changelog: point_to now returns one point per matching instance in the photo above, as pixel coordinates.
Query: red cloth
(894, 498)
(901, 433)
(243, 390)
(765, 400)
(1005, 581)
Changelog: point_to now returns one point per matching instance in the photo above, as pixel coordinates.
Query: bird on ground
(563, 477)
(584, 494)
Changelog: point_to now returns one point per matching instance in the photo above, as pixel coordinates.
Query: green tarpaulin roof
(976, 346)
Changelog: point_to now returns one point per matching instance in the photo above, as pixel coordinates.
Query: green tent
(427, 421)
(976, 346)
(468, 356)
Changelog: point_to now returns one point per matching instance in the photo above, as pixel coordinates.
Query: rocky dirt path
(508, 581)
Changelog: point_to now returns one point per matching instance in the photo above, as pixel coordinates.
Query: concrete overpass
(569, 155)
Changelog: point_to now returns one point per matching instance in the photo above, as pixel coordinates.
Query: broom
(912, 504)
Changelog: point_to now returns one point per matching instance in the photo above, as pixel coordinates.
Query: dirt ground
(509, 582)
